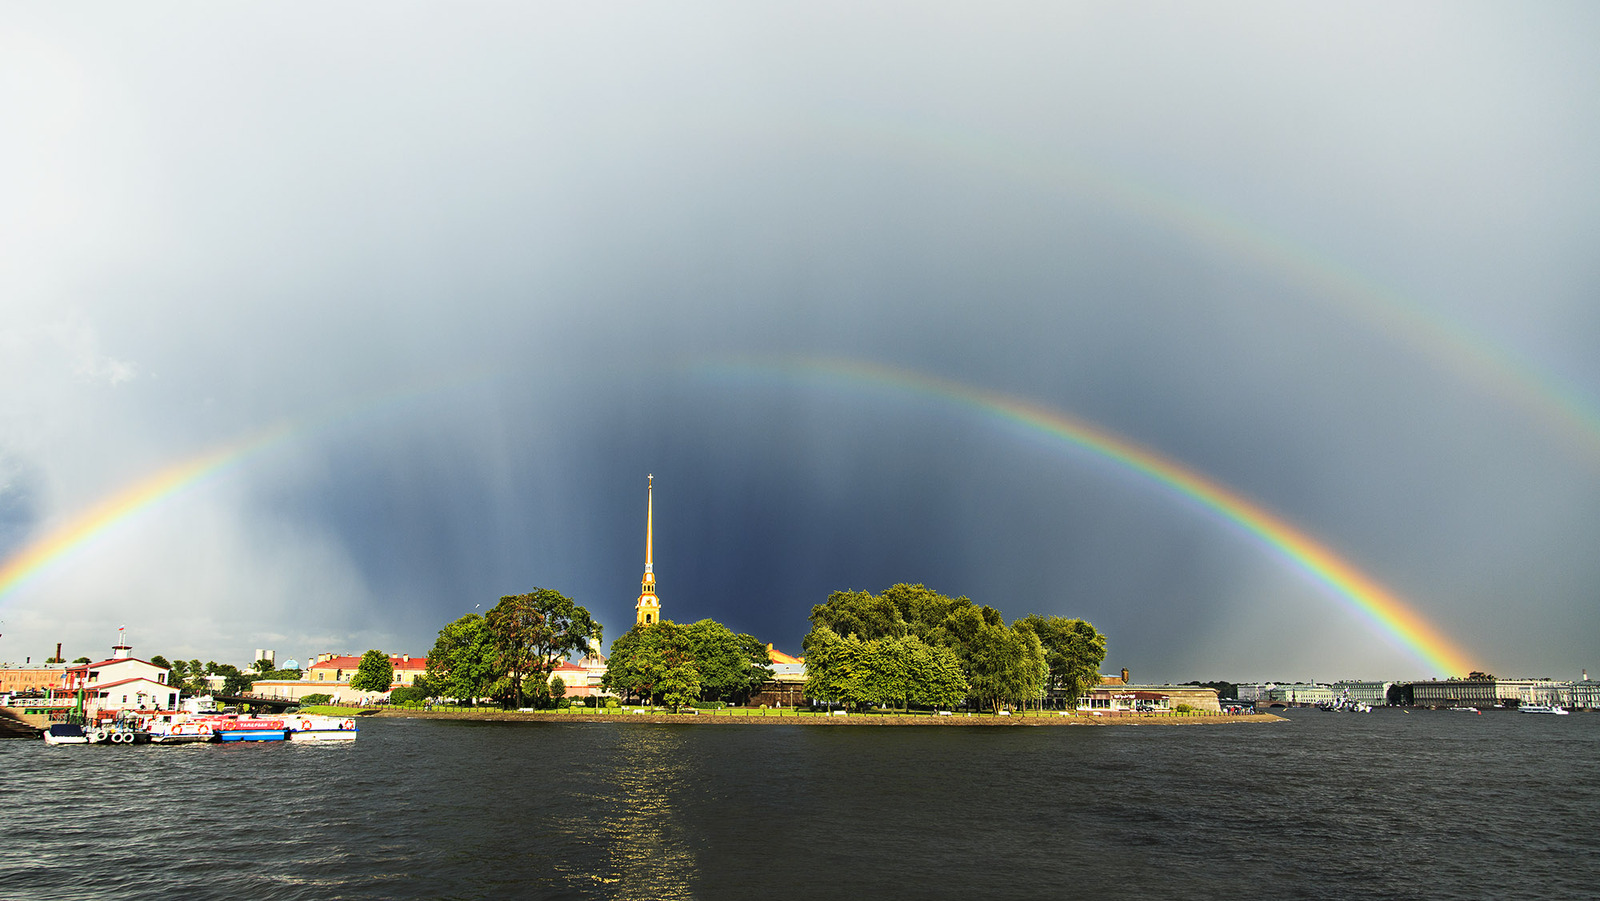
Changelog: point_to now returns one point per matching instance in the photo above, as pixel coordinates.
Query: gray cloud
(226, 219)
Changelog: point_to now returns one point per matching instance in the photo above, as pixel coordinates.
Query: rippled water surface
(1387, 805)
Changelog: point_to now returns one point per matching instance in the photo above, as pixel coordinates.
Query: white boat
(1556, 709)
(180, 731)
(311, 727)
(65, 734)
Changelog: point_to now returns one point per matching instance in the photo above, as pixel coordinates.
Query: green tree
(81, 660)
(654, 662)
(831, 664)
(375, 672)
(1073, 649)
(462, 662)
(558, 688)
(532, 632)
(1007, 666)
(732, 666)
(197, 678)
(627, 669)
(881, 672)
(936, 676)
(859, 613)
(676, 675)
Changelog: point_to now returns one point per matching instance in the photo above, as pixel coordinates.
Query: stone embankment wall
(491, 715)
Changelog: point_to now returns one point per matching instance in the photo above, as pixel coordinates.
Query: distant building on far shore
(1119, 693)
(330, 674)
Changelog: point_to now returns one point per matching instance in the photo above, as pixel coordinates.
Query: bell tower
(648, 611)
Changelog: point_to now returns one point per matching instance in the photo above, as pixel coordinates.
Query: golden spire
(648, 610)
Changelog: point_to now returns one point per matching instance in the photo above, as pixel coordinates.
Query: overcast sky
(494, 263)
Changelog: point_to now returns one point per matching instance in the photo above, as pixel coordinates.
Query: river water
(1391, 805)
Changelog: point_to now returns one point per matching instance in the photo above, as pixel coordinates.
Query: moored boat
(311, 727)
(183, 731)
(243, 728)
(65, 734)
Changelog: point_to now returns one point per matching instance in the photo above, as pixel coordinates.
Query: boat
(1556, 709)
(310, 727)
(233, 727)
(180, 731)
(65, 734)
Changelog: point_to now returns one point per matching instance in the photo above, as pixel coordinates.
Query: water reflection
(646, 839)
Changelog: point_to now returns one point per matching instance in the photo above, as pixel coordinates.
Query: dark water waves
(1389, 805)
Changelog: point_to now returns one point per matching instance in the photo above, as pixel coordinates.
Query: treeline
(911, 646)
(190, 676)
(507, 654)
(675, 665)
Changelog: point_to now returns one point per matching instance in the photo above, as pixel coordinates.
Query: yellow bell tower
(648, 610)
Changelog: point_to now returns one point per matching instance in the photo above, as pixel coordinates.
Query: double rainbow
(1372, 602)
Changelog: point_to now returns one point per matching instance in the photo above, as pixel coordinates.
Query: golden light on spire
(648, 610)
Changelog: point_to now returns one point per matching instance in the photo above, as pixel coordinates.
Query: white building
(121, 681)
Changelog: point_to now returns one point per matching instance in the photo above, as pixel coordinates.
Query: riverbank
(807, 718)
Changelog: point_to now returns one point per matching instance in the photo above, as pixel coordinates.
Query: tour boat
(310, 727)
(1556, 709)
(182, 731)
(233, 727)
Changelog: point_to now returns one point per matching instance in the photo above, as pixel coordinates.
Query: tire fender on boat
(97, 736)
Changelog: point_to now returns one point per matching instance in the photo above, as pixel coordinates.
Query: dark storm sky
(498, 262)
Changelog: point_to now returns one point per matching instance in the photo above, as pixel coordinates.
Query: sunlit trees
(1006, 666)
(1073, 649)
(462, 662)
(911, 645)
(654, 662)
(531, 632)
(894, 671)
(375, 672)
(732, 665)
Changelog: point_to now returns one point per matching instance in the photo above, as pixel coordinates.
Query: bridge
(274, 705)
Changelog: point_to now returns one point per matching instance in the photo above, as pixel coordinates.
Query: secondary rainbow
(1560, 405)
(1362, 594)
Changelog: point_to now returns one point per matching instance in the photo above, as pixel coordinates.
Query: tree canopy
(732, 665)
(461, 664)
(1073, 649)
(375, 672)
(655, 662)
(912, 645)
(530, 633)
(889, 670)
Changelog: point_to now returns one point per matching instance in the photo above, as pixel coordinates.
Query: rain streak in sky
(405, 302)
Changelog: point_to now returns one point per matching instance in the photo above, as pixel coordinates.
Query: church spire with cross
(648, 610)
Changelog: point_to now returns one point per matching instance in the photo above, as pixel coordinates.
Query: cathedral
(648, 610)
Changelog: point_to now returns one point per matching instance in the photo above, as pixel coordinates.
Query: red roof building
(339, 668)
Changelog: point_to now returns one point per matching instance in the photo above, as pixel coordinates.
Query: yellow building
(648, 609)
